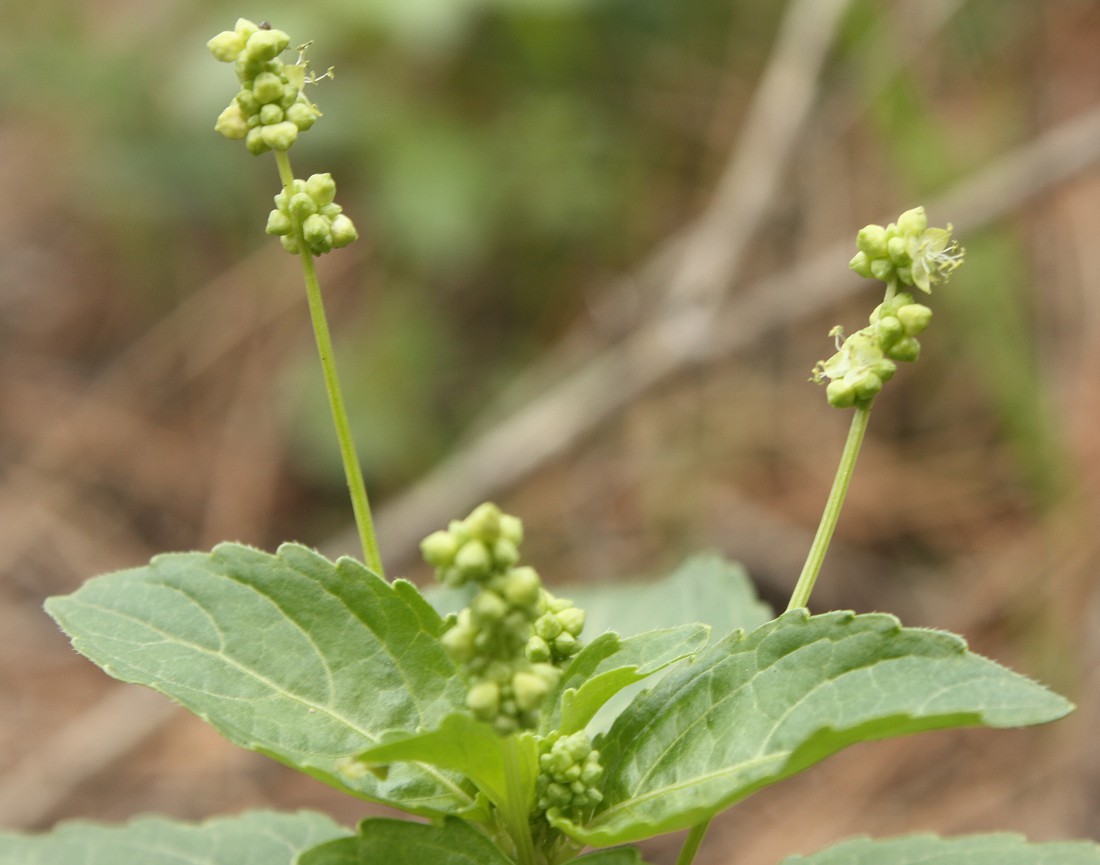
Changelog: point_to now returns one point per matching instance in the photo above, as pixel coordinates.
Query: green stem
(354, 474)
(801, 595)
(691, 845)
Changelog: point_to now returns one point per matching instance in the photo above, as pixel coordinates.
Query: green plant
(498, 721)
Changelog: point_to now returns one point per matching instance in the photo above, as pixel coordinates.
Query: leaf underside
(754, 709)
(294, 656)
(1001, 849)
(255, 838)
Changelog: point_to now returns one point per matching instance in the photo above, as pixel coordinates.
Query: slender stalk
(801, 595)
(352, 471)
(691, 845)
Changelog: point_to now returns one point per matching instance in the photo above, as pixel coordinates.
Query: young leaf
(400, 842)
(754, 709)
(968, 850)
(499, 765)
(291, 655)
(608, 664)
(255, 838)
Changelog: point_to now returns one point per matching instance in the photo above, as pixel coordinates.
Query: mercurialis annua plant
(483, 706)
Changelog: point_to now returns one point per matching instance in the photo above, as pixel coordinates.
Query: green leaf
(608, 664)
(754, 709)
(969, 850)
(500, 766)
(617, 856)
(399, 842)
(254, 838)
(706, 588)
(290, 655)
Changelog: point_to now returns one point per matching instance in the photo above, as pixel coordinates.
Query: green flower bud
(881, 269)
(473, 560)
(565, 645)
(266, 44)
(529, 690)
(483, 699)
(232, 123)
(317, 233)
(840, 394)
(861, 264)
(249, 103)
(278, 223)
(301, 206)
(913, 222)
(906, 349)
(537, 650)
(914, 318)
(489, 607)
(290, 243)
(888, 330)
(866, 386)
(438, 549)
(572, 620)
(511, 528)
(343, 231)
(301, 115)
(452, 578)
(898, 250)
(548, 627)
(459, 530)
(321, 188)
(871, 240)
(505, 553)
(271, 113)
(226, 46)
(254, 141)
(245, 28)
(458, 643)
(280, 136)
(484, 522)
(523, 587)
(267, 87)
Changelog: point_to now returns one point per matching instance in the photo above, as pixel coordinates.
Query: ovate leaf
(292, 655)
(608, 664)
(502, 767)
(969, 850)
(754, 709)
(399, 842)
(255, 838)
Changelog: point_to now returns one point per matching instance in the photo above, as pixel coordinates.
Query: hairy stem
(691, 844)
(354, 474)
(801, 595)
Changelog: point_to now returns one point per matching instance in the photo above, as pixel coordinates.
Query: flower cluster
(907, 252)
(271, 108)
(311, 204)
(866, 359)
(569, 775)
(514, 638)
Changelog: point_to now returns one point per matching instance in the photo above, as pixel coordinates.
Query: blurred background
(603, 242)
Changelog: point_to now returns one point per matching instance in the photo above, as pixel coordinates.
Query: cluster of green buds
(514, 638)
(867, 359)
(311, 204)
(907, 252)
(271, 108)
(569, 775)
